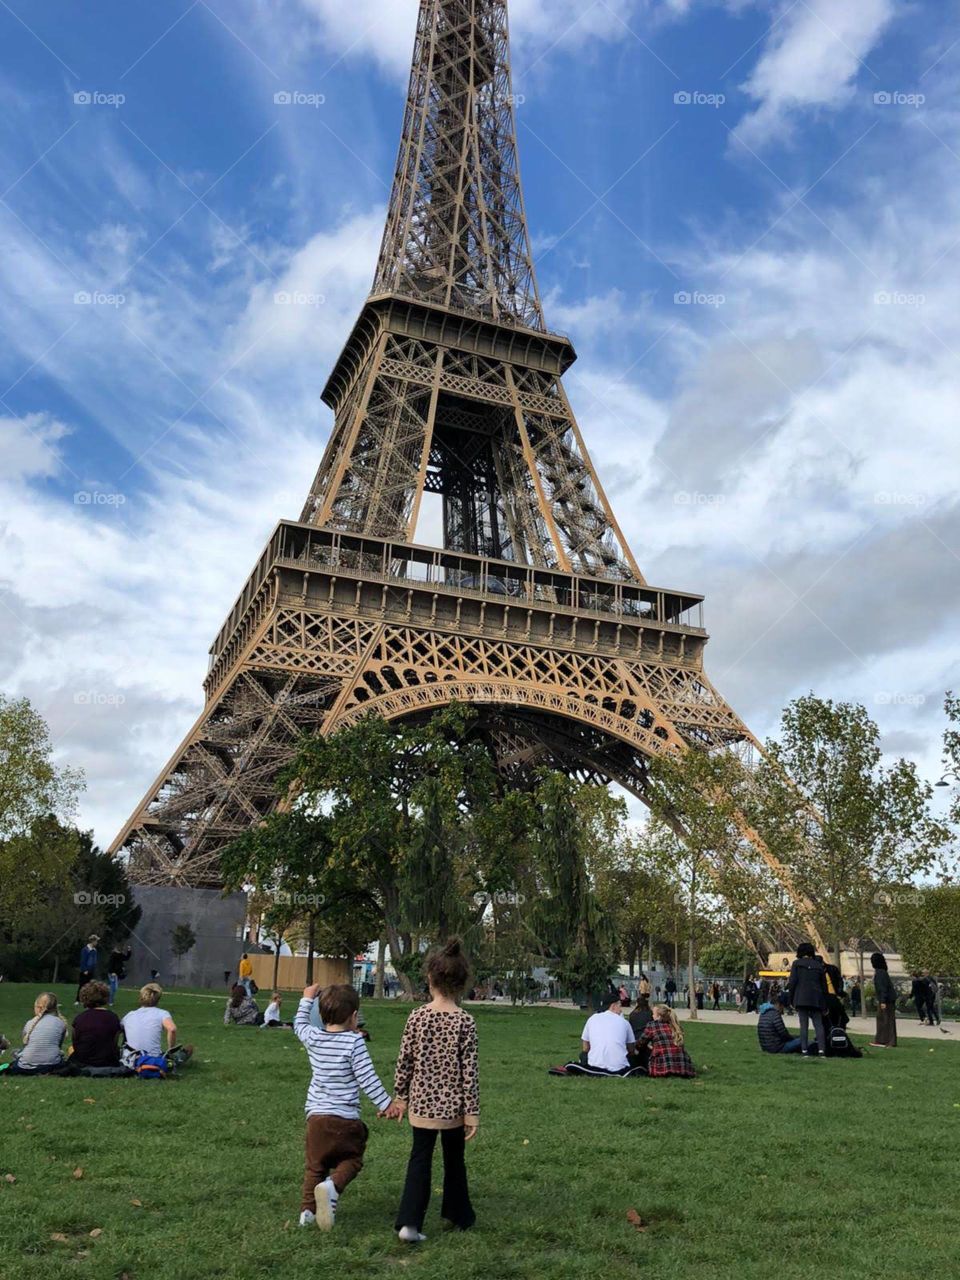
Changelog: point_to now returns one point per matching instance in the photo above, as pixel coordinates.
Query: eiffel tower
(533, 611)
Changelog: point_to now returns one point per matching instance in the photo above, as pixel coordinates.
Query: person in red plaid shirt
(664, 1038)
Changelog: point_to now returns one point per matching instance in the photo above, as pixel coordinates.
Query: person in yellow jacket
(245, 971)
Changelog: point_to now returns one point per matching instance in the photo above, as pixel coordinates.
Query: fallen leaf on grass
(78, 1174)
(635, 1220)
(59, 1237)
(9, 1177)
(91, 1100)
(96, 1233)
(137, 1204)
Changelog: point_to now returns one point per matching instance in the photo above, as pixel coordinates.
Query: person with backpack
(807, 993)
(886, 992)
(143, 1032)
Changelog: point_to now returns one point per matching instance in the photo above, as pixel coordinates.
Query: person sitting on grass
(43, 1038)
(341, 1067)
(607, 1044)
(640, 1015)
(664, 1038)
(771, 1030)
(272, 1017)
(97, 1030)
(143, 1031)
(242, 1010)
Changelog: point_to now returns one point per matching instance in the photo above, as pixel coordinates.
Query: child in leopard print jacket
(437, 1083)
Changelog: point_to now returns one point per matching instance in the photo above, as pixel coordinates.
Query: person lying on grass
(43, 1038)
(341, 1067)
(242, 1010)
(664, 1038)
(143, 1031)
(96, 1031)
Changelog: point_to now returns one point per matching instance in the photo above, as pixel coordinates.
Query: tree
(692, 794)
(182, 941)
(290, 859)
(927, 925)
(638, 897)
(845, 825)
(37, 800)
(572, 821)
(951, 752)
(402, 802)
(725, 959)
(102, 880)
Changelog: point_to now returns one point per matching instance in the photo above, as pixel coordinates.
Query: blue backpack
(150, 1068)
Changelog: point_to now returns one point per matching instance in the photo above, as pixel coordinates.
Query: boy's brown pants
(335, 1150)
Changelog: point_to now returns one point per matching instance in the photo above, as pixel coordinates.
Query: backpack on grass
(149, 1067)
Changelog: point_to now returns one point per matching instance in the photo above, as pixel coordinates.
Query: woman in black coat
(886, 1037)
(807, 991)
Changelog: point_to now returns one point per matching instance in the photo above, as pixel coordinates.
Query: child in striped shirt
(341, 1066)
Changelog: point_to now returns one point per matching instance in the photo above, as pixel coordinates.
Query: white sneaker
(326, 1198)
(308, 1219)
(410, 1235)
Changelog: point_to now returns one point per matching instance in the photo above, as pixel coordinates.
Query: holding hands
(396, 1110)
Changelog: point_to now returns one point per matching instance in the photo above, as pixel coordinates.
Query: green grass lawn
(761, 1168)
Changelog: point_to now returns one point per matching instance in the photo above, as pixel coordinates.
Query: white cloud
(386, 31)
(28, 447)
(812, 60)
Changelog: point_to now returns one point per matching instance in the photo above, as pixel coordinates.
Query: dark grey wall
(216, 920)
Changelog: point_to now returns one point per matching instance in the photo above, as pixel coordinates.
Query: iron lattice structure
(534, 610)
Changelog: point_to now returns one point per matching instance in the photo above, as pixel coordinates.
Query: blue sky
(785, 441)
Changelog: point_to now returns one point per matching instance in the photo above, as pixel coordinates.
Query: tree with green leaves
(38, 846)
(845, 825)
(573, 822)
(182, 941)
(395, 797)
(951, 753)
(638, 896)
(726, 959)
(692, 794)
(927, 929)
(291, 860)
